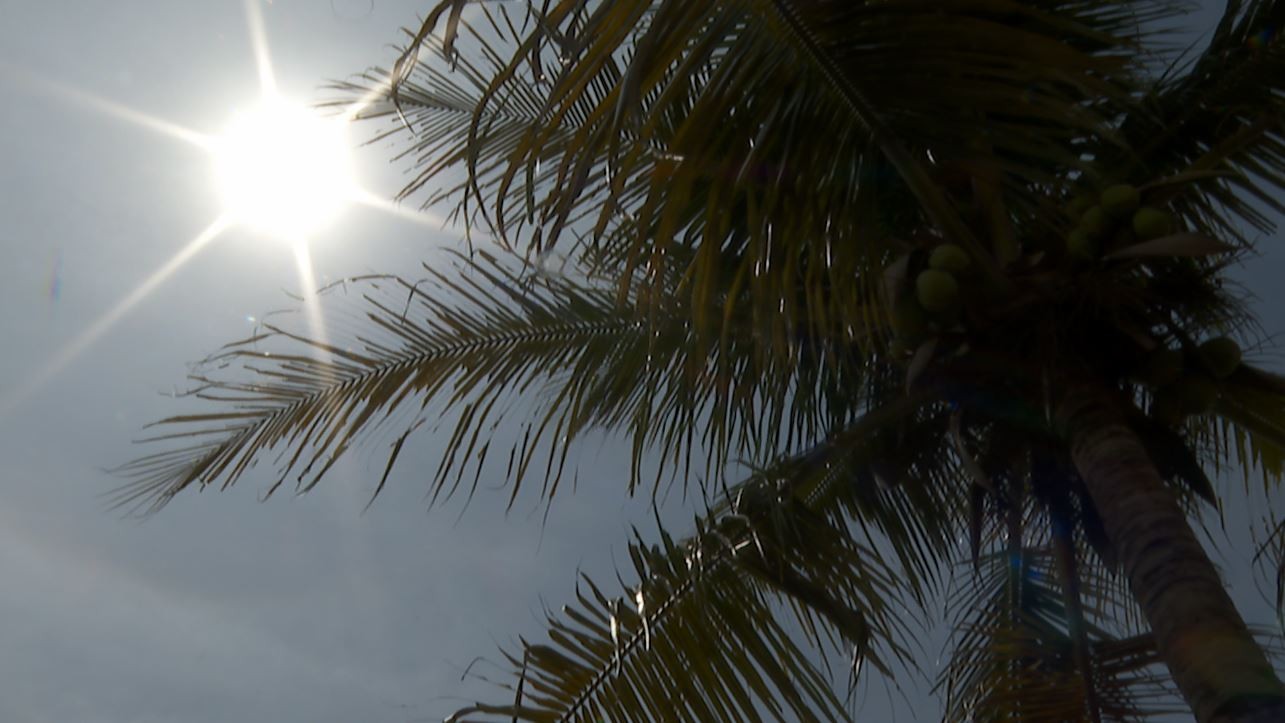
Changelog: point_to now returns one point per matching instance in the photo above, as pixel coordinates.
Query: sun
(281, 168)
(284, 170)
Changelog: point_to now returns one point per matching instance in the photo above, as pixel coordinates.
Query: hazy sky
(222, 608)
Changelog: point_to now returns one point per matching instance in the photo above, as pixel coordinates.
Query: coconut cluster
(929, 288)
(934, 303)
(1118, 218)
(1185, 383)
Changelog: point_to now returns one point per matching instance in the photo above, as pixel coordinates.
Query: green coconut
(1094, 222)
(1081, 245)
(1195, 393)
(936, 290)
(909, 321)
(1120, 201)
(949, 257)
(1220, 356)
(1162, 367)
(1150, 222)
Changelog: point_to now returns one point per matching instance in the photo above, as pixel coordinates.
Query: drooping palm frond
(471, 341)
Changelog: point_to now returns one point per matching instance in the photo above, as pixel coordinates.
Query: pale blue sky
(222, 608)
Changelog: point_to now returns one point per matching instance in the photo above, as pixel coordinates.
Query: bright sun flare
(281, 169)
(284, 170)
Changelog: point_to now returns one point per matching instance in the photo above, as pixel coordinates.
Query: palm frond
(1218, 122)
(432, 106)
(471, 341)
(698, 637)
(703, 135)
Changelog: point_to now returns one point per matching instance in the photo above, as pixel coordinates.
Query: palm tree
(947, 277)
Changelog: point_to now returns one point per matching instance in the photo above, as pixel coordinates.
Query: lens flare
(284, 170)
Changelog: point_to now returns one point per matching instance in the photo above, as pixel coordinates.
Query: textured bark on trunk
(1213, 659)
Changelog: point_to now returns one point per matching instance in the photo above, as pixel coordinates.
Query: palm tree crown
(948, 274)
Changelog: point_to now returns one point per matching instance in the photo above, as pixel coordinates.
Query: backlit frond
(468, 344)
(699, 636)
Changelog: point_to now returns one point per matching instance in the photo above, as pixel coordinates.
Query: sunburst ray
(77, 346)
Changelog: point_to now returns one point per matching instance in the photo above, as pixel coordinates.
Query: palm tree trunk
(1213, 659)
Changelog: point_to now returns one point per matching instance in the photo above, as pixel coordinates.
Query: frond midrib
(653, 621)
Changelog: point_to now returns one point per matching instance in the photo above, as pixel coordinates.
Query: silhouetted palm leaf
(699, 636)
(658, 120)
(474, 341)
